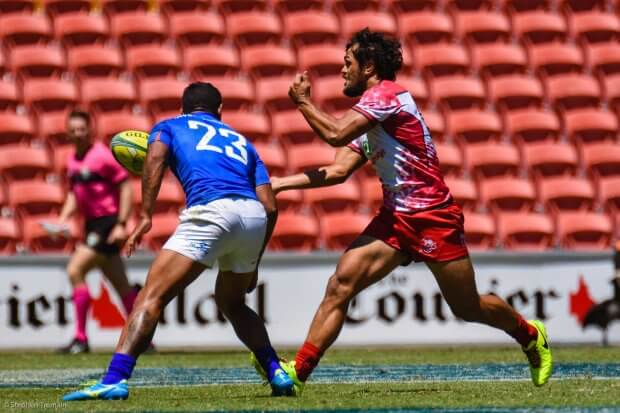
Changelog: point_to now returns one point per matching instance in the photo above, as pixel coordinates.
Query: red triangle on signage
(105, 312)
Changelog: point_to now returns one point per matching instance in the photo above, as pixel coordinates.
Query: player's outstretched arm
(152, 175)
(345, 163)
(334, 131)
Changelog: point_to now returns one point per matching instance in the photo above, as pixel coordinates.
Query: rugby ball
(129, 149)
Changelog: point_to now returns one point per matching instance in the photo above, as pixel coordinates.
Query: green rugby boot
(539, 355)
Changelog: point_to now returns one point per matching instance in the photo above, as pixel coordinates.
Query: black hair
(383, 51)
(201, 96)
(80, 113)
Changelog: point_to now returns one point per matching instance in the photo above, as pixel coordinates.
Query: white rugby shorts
(229, 230)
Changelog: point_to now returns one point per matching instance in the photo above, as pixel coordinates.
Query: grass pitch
(343, 389)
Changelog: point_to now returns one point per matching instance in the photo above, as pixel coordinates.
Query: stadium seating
(110, 94)
(333, 199)
(603, 58)
(295, 232)
(550, 158)
(273, 157)
(211, 60)
(290, 201)
(341, 228)
(482, 26)
(197, 28)
(174, 6)
(49, 95)
(572, 91)
(114, 7)
(311, 27)
(495, 59)
(566, 193)
(19, 162)
(306, 156)
(95, 61)
(474, 126)
(147, 61)
(450, 159)
(584, 230)
(490, 159)
(108, 124)
(515, 91)
(272, 94)
(609, 194)
(56, 8)
(464, 192)
(508, 194)
(590, 125)
(532, 125)
(253, 125)
(425, 26)
(602, 159)
(268, 60)
(169, 200)
(539, 26)
(457, 92)
(525, 231)
(52, 129)
(18, 29)
(137, 27)
(35, 197)
(81, 28)
(594, 26)
(164, 225)
(480, 231)
(441, 59)
(9, 236)
(9, 96)
(290, 127)
(31, 61)
(38, 241)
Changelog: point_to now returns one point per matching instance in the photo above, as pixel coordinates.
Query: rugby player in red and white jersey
(418, 221)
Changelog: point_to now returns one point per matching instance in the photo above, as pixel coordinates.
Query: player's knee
(75, 275)
(466, 312)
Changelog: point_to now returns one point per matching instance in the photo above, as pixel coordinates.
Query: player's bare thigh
(366, 261)
(81, 262)
(456, 280)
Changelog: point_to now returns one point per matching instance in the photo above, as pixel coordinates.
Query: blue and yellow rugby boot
(100, 391)
(289, 369)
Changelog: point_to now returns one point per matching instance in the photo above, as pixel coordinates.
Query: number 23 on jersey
(236, 150)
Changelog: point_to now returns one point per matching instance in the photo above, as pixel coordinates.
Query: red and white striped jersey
(401, 149)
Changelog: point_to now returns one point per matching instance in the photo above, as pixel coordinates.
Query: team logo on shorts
(92, 239)
(428, 245)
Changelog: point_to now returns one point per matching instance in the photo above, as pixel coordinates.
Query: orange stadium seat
(372, 193)
(572, 91)
(524, 5)
(35, 197)
(480, 232)
(52, 128)
(9, 96)
(352, 22)
(331, 199)
(352, 6)
(544, 159)
(227, 7)
(601, 159)
(510, 92)
(464, 192)
(114, 7)
(197, 27)
(19, 162)
(458, 92)
(508, 194)
(580, 5)
(311, 27)
(495, 59)
(56, 8)
(18, 29)
(171, 7)
(455, 5)
(295, 232)
(399, 6)
(526, 231)
(293, 6)
(487, 160)
(268, 60)
(474, 126)
(211, 60)
(425, 26)
(61, 161)
(539, 26)
(603, 58)
(3, 64)
(584, 231)
(436, 124)
(340, 229)
(554, 58)
(95, 61)
(290, 201)
(153, 61)
(482, 26)
(609, 193)
(164, 224)
(450, 159)
(611, 89)
(253, 125)
(273, 157)
(37, 61)
(304, 157)
(441, 59)
(328, 93)
(566, 193)
(272, 94)
(237, 93)
(594, 26)
(108, 124)
(417, 88)
(253, 28)
(37, 240)
(80, 28)
(108, 94)
(290, 127)
(169, 199)
(590, 125)
(15, 128)
(49, 95)
(133, 28)
(10, 235)
(161, 95)
(16, 6)
(532, 125)
(321, 60)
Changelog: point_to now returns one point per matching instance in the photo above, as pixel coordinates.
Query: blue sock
(268, 359)
(120, 368)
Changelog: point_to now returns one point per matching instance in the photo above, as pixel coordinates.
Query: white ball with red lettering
(129, 149)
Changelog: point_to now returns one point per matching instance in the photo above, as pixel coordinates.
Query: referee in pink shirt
(101, 191)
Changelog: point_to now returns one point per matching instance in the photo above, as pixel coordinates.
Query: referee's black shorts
(97, 231)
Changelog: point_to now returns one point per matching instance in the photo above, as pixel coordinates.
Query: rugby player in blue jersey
(229, 217)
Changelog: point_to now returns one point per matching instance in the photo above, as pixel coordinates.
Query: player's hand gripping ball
(129, 149)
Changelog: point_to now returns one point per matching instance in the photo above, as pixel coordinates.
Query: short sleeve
(261, 176)
(160, 133)
(378, 103)
(356, 146)
(112, 170)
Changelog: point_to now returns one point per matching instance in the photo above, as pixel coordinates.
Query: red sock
(525, 333)
(306, 360)
(81, 303)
